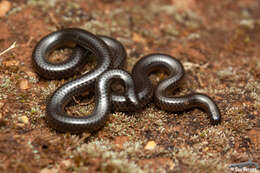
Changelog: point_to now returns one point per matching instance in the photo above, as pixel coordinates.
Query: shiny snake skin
(110, 54)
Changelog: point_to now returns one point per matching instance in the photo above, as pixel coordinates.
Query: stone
(24, 84)
(150, 145)
(5, 6)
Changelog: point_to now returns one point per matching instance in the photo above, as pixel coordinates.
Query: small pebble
(249, 23)
(24, 119)
(5, 6)
(150, 145)
(206, 149)
(24, 84)
(138, 38)
(66, 163)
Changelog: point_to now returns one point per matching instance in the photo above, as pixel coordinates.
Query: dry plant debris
(218, 41)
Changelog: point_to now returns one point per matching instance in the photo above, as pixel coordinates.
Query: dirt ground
(218, 43)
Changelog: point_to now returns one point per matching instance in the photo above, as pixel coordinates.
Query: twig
(84, 104)
(29, 41)
(54, 20)
(9, 48)
(189, 65)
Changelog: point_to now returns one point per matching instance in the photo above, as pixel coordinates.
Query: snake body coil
(59, 119)
(110, 54)
(175, 71)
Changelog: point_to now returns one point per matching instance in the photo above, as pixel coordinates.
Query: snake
(111, 57)
(162, 94)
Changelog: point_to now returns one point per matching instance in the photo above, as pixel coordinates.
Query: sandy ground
(218, 43)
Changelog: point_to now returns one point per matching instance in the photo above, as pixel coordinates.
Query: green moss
(100, 154)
